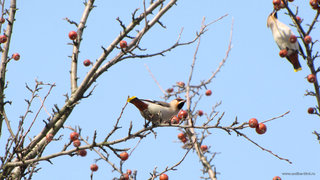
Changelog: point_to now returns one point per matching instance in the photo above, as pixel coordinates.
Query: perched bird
(281, 35)
(157, 111)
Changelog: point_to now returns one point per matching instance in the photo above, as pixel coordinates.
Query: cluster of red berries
(260, 127)
(74, 137)
(181, 115)
(125, 176)
(293, 39)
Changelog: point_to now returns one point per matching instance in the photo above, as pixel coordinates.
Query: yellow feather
(130, 98)
(296, 70)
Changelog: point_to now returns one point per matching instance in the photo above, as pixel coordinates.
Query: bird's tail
(138, 103)
(293, 58)
(131, 98)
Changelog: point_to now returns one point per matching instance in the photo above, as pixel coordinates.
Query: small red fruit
(204, 148)
(200, 112)
(182, 114)
(163, 177)
(124, 176)
(49, 137)
(94, 167)
(261, 129)
(310, 110)
(181, 136)
(184, 140)
(293, 38)
(276, 178)
(169, 90)
(82, 152)
(276, 2)
(76, 143)
(74, 136)
(180, 84)
(129, 171)
(307, 39)
(3, 38)
(124, 156)
(314, 4)
(208, 92)
(299, 19)
(123, 44)
(311, 78)
(2, 20)
(73, 35)
(16, 56)
(175, 120)
(253, 123)
(86, 62)
(283, 53)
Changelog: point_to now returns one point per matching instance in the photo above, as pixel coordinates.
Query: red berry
(2, 20)
(311, 78)
(208, 92)
(283, 53)
(123, 44)
(73, 35)
(253, 123)
(182, 114)
(200, 112)
(181, 136)
(129, 171)
(314, 4)
(261, 129)
(175, 120)
(276, 2)
(16, 56)
(163, 177)
(74, 136)
(293, 38)
(310, 110)
(204, 148)
(169, 90)
(49, 137)
(3, 38)
(94, 167)
(180, 84)
(82, 152)
(124, 177)
(299, 19)
(307, 39)
(76, 143)
(184, 140)
(124, 156)
(276, 178)
(86, 62)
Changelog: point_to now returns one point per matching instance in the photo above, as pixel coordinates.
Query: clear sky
(254, 82)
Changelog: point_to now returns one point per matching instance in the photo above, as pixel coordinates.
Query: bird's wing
(161, 103)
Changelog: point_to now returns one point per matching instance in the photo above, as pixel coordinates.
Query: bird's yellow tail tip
(299, 69)
(130, 98)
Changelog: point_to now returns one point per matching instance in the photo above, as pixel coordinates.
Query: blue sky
(254, 82)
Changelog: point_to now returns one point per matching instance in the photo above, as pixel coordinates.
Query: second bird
(281, 34)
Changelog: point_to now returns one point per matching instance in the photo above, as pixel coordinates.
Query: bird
(157, 111)
(281, 35)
